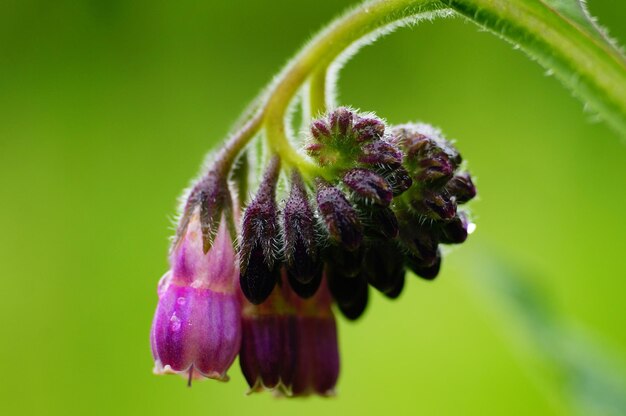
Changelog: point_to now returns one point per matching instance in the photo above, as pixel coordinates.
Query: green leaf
(577, 13)
(562, 36)
(567, 359)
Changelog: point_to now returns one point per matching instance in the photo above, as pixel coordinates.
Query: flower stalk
(594, 70)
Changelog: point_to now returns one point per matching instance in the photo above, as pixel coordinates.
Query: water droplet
(175, 323)
(181, 301)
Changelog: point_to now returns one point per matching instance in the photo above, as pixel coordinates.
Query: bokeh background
(106, 111)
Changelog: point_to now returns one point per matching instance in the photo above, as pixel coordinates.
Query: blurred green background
(106, 111)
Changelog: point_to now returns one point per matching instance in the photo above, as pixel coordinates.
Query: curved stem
(324, 48)
(594, 70)
(317, 92)
(237, 141)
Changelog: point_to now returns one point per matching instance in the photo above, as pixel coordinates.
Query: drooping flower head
(380, 202)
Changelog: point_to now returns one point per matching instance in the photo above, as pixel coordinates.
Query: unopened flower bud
(341, 121)
(382, 223)
(454, 231)
(399, 180)
(428, 156)
(368, 186)
(384, 267)
(426, 270)
(308, 289)
(421, 240)
(380, 152)
(432, 162)
(258, 251)
(349, 262)
(368, 129)
(461, 187)
(350, 293)
(435, 205)
(337, 138)
(320, 130)
(340, 218)
(302, 257)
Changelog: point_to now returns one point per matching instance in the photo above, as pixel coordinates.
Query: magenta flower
(196, 329)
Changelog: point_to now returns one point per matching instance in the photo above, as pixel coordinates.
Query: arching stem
(317, 92)
(595, 71)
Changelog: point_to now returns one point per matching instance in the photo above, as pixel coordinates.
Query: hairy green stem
(320, 53)
(317, 92)
(249, 127)
(592, 68)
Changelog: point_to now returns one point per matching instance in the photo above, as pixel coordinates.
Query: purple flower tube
(290, 344)
(196, 331)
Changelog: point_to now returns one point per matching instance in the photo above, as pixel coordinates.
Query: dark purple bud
(340, 218)
(420, 240)
(320, 130)
(258, 253)
(429, 157)
(436, 169)
(399, 179)
(303, 265)
(368, 185)
(268, 351)
(395, 291)
(382, 223)
(308, 289)
(350, 293)
(425, 270)
(300, 250)
(259, 277)
(339, 137)
(384, 267)
(435, 205)
(349, 262)
(341, 121)
(451, 151)
(455, 230)
(313, 149)
(379, 152)
(461, 187)
(422, 141)
(368, 128)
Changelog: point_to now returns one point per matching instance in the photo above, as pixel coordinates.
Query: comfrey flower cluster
(262, 281)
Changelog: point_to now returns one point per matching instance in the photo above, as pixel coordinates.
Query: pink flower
(196, 329)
